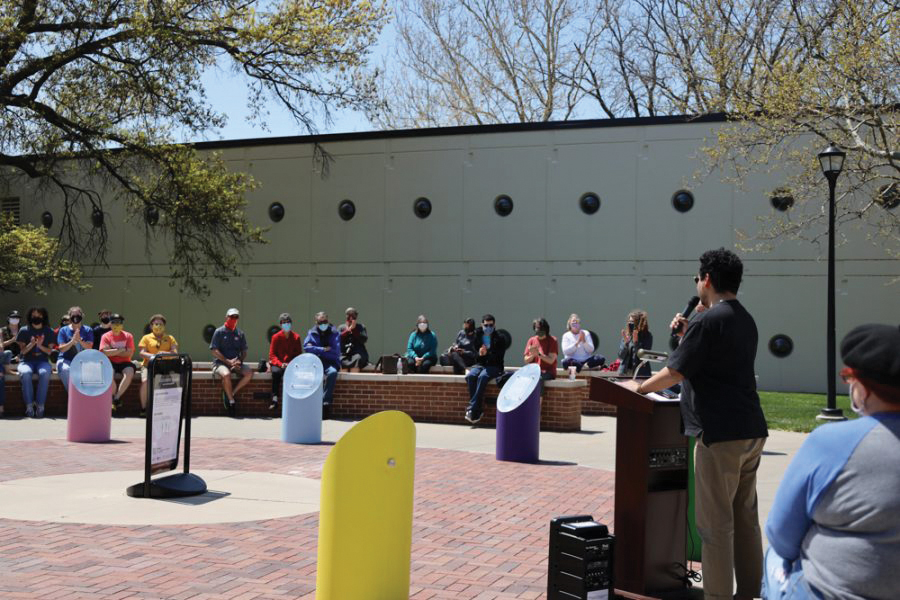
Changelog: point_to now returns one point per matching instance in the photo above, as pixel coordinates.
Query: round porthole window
(503, 205)
(151, 215)
(781, 345)
(97, 217)
(208, 332)
(272, 331)
(888, 196)
(276, 211)
(346, 210)
(422, 207)
(589, 203)
(782, 199)
(47, 219)
(683, 201)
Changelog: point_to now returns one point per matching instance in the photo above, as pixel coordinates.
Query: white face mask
(860, 410)
(14, 321)
(423, 327)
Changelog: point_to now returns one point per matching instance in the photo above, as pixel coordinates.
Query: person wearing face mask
(354, 356)
(118, 345)
(834, 528)
(636, 337)
(9, 351)
(578, 347)
(542, 348)
(229, 349)
(421, 348)
(155, 342)
(283, 348)
(324, 341)
(103, 327)
(72, 339)
(461, 355)
(490, 349)
(35, 345)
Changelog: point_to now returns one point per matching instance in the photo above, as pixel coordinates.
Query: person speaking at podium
(720, 407)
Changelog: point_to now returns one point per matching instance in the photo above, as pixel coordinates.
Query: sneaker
(232, 409)
(38, 411)
(273, 403)
(117, 403)
(143, 414)
(472, 418)
(29, 412)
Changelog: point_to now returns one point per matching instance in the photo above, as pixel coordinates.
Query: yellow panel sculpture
(365, 520)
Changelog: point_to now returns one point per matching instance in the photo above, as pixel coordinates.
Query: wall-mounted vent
(13, 207)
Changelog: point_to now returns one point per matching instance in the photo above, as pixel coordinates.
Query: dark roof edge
(461, 130)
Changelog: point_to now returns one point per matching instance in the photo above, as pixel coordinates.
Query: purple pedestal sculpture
(519, 417)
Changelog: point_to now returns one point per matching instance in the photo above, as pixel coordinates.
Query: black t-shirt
(716, 357)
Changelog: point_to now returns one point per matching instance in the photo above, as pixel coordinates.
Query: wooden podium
(651, 491)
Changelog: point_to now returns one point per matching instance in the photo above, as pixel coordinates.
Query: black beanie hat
(873, 350)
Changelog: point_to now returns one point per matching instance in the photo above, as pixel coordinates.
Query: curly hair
(724, 268)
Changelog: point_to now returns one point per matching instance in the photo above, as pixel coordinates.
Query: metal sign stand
(179, 484)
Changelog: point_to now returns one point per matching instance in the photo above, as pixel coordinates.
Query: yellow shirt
(150, 344)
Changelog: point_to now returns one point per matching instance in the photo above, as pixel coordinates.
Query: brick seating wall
(425, 398)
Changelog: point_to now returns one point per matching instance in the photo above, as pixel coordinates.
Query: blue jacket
(316, 342)
(422, 345)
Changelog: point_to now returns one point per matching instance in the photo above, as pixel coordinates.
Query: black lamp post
(832, 161)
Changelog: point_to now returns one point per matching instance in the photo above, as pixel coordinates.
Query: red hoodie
(284, 348)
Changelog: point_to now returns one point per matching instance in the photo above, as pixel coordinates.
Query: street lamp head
(832, 160)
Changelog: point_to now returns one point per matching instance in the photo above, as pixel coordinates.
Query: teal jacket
(422, 345)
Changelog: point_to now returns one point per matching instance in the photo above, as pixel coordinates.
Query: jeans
(330, 378)
(26, 369)
(62, 369)
(477, 380)
(456, 360)
(423, 368)
(784, 581)
(277, 379)
(5, 357)
(592, 362)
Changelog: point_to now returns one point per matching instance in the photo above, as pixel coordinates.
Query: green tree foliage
(93, 95)
(31, 259)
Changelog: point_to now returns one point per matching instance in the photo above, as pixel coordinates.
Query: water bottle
(400, 366)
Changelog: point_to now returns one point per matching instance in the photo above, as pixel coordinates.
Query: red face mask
(231, 323)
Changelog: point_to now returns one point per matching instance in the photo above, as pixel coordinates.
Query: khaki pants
(727, 517)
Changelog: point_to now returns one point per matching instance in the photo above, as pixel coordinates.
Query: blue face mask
(285, 327)
(323, 327)
(488, 329)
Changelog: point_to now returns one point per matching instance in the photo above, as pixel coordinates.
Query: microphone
(691, 305)
(652, 356)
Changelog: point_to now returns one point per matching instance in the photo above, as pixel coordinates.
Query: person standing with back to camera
(720, 407)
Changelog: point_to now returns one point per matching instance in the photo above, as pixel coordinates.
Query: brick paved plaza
(479, 527)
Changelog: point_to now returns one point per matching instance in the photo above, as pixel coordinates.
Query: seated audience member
(354, 356)
(35, 345)
(229, 349)
(578, 347)
(118, 345)
(421, 348)
(100, 329)
(834, 528)
(284, 347)
(638, 337)
(461, 355)
(324, 341)
(542, 348)
(490, 348)
(9, 351)
(155, 342)
(63, 321)
(72, 339)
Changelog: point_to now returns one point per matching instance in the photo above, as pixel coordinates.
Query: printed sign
(166, 423)
(91, 373)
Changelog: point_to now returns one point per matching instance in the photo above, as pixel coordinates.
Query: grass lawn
(790, 411)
